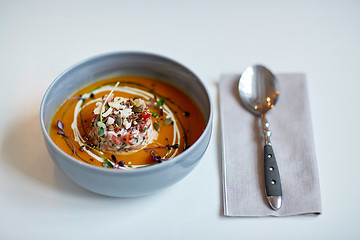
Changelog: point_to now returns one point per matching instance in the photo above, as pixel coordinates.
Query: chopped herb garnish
(123, 146)
(160, 102)
(136, 109)
(118, 121)
(167, 154)
(156, 126)
(168, 121)
(93, 89)
(154, 114)
(107, 163)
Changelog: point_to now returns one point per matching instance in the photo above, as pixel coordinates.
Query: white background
(40, 39)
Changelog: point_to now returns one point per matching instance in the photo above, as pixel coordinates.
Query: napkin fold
(292, 140)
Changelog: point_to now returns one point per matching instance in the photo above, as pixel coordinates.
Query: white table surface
(40, 39)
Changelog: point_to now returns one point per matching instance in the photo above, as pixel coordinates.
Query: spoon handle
(271, 170)
(272, 178)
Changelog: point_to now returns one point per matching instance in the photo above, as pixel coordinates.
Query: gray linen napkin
(292, 140)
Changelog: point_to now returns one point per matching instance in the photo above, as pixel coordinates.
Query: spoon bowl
(259, 91)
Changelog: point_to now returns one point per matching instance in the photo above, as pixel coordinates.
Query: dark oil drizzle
(70, 147)
(82, 121)
(67, 109)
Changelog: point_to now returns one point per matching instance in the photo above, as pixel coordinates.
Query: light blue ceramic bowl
(115, 182)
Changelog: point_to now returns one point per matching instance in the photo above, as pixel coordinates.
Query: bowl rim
(155, 167)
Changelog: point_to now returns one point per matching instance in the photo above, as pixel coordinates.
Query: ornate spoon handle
(271, 170)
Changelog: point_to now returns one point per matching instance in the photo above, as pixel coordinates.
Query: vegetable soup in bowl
(127, 123)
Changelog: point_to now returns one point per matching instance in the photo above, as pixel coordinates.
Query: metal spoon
(259, 91)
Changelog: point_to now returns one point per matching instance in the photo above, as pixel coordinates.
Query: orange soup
(126, 123)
